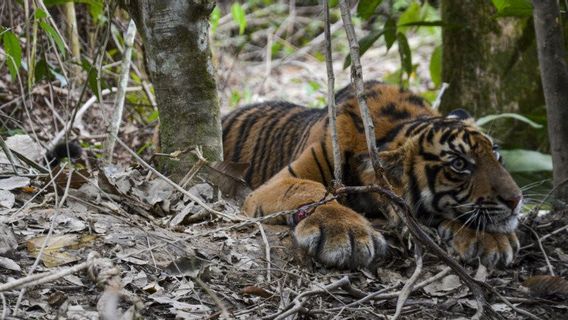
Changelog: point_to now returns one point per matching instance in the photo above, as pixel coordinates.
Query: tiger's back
(268, 136)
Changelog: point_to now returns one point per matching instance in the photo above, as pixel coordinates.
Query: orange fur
(289, 151)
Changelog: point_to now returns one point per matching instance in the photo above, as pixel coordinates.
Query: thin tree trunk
(176, 45)
(554, 74)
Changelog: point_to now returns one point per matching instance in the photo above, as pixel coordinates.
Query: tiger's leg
(470, 244)
(334, 234)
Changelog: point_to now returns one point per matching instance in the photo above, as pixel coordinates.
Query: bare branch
(332, 112)
(114, 124)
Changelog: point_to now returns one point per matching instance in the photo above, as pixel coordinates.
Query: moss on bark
(176, 43)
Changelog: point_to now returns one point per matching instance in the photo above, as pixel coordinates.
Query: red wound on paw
(302, 213)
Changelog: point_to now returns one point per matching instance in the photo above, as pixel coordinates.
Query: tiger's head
(447, 168)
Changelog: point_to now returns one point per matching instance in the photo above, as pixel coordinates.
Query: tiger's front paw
(339, 237)
(491, 248)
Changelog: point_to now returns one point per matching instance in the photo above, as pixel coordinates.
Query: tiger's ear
(459, 114)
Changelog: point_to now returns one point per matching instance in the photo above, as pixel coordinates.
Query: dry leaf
(9, 264)
(441, 288)
(56, 251)
(14, 183)
(7, 199)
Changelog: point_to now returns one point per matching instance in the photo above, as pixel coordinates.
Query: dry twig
(332, 112)
(116, 118)
(409, 285)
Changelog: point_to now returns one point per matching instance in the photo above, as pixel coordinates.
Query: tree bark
(491, 65)
(554, 73)
(178, 57)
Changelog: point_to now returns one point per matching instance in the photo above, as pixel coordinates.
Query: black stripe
(357, 122)
(388, 137)
(326, 158)
(244, 131)
(292, 171)
(229, 120)
(416, 100)
(288, 127)
(319, 166)
(391, 111)
(261, 152)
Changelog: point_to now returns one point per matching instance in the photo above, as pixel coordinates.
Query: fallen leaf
(56, 251)
(9, 264)
(8, 242)
(440, 288)
(14, 183)
(7, 199)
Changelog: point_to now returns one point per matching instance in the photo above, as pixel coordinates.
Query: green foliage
(41, 16)
(366, 8)
(390, 32)
(486, 119)
(526, 160)
(92, 81)
(214, 19)
(95, 6)
(436, 66)
(513, 8)
(405, 53)
(13, 52)
(239, 16)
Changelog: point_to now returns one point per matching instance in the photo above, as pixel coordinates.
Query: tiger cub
(445, 167)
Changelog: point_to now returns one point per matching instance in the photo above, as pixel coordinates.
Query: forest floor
(122, 243)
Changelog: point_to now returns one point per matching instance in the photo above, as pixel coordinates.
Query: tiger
(445, 167)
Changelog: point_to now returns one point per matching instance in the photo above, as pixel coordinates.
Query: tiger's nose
(513, 202)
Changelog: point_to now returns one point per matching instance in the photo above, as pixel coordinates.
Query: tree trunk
(178, 57)
(554, 72)
(492, 67)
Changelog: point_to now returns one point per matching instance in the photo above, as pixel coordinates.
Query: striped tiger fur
(444, 166)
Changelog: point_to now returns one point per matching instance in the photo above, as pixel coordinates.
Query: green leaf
(239, 16)
(366, 8)
(364, 44)
(153, 116)
(411, 14)
(405, 53)
(436, 66)
(333, 3)
(40, 14)
(92, 81)
(488, 118)
(390, 32)
(53, 35)
(526, 160)
(13, 52)
(42, 70)
(215, 16)
(513, 8)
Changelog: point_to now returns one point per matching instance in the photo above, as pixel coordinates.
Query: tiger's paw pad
(493, 249)
(340, 241)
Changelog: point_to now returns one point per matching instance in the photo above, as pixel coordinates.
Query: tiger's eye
(459, 164)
